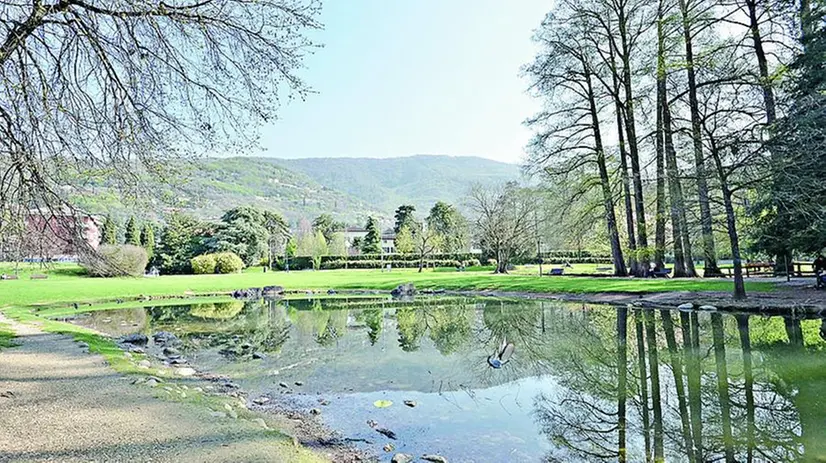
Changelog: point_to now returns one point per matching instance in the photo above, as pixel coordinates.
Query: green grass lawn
(6, 336)
(68, 286)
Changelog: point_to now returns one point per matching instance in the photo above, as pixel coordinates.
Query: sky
(404, 77)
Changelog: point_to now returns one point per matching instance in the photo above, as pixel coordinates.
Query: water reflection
(588, 382)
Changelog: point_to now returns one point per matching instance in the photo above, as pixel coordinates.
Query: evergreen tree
(371, 244)
(133, 233)
(181, 241)
(404, 217)
(109, 233)
(148, 240)
(792, 215)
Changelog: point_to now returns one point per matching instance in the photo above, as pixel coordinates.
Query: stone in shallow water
(135, 338)
(410, 403)
(401, 458)
(185, 372)
(434, 458)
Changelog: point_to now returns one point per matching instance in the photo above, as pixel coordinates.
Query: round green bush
(228, 262)
(203, 264)
(117, 260)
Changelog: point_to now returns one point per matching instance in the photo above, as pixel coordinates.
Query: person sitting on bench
(820, 270)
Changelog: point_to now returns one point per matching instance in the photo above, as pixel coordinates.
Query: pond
(576, 382)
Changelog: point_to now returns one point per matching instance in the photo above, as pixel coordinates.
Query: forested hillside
(349, 189)
(416, 180)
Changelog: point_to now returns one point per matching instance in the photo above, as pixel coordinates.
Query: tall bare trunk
(683, 258)
(607, 196)
(626, 183)
(633, 149)
(622, 382)
(762, 62)
(731, 225)
(722, 384)
(659, 255)
(659, 240)
(709, 251)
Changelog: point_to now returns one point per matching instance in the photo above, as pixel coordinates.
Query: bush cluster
(117, 260)
(222, 262)
(203, 264)
(228, 262)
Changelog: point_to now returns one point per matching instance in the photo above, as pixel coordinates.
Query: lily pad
(382, 403)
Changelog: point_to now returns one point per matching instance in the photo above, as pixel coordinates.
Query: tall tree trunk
(691, 338)
(679, 383)
(731, 224)
(722, 384)
(683, 259)
(656, 400)
(748, 377)
(762, 63)
(646, 423)
(683, 264)
(709, 251)
(626, 183)
(607, 196)
(622, 382)
(633, 149)
(659, 239)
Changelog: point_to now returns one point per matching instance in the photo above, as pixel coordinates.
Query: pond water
(584, 382)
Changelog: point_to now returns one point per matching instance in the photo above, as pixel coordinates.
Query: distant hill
(418, 180)
(349, 188)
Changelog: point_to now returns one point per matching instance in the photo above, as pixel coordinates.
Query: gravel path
(66, 405)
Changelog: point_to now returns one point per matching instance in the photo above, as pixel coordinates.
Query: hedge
(366, 261)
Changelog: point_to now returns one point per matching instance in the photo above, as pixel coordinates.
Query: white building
(351, 234)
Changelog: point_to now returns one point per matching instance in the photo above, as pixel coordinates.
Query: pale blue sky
(404, 77)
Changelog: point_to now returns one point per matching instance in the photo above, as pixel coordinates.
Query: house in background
(353, 234)
(58, 235)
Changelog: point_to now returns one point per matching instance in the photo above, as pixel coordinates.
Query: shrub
(228, 262)
(203, 264)
(114, 260)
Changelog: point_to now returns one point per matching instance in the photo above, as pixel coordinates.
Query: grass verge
(84, 289)
(6, 337)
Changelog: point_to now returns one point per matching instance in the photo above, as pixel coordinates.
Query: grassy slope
(66, 287)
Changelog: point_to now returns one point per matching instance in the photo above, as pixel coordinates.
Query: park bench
(556, 271)
(664, 273)
(38, 276)
(9, 277)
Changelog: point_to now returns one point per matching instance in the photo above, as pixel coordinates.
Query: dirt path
(66, 405)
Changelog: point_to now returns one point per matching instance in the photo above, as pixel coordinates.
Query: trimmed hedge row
(365, 264)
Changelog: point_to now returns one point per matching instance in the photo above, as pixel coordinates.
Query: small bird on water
(502, 355)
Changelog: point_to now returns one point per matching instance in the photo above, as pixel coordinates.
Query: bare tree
(569, 136)
(120, 89)
(505, 224)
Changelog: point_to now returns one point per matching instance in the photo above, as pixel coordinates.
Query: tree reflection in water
(731, 388)
(623, 384)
